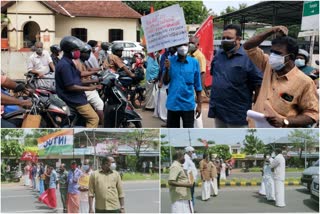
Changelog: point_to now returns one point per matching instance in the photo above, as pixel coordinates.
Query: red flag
(29, 156)
(151, 9)
(205, 35)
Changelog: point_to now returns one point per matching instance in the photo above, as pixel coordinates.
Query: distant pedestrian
(34, 176)
(152, 74)
(63, 186)
(150, 167)
(73, 198)
(205, 169)
(42, 177)
(144, 166)
(84, 187)
(213, 177)
(26, 175)
(223, 171)
(268, 179)
(179, 186)
(190, 168)
(49, 197)
(218, 167)
(47, 178)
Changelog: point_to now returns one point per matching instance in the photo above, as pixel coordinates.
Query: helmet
(105, 46)
(55, 48)
(304, 53)
(86, 48)
(71, 43)
(116, 47)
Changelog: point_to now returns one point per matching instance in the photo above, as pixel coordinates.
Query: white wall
(97, 28)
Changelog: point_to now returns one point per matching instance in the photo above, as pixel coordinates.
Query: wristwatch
(286, 122)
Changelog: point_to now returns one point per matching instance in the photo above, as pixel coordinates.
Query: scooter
(14, 175)
(118, 111)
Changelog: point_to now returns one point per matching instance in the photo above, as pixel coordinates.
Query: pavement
(16, 198)
(247, 200)
(149, 121)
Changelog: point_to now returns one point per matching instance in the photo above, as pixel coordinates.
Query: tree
(11, 148)
(252, 144)
(142, 7)
(242, 6)
(222, 151)
(298, 137)
(141, 140)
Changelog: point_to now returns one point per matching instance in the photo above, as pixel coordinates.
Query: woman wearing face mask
(183, 74)
(287, 97)
(68, 81)
(302, 61)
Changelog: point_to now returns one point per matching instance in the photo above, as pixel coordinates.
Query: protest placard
(165, 28)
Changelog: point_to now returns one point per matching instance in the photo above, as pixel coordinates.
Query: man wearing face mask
(114, 61)
(55, 52)
(73, 202)
(105, 187)
(183, 74)
(301, 62)
(152, 73)
(179, 186)
(287, 98)
(63, 185)
(68, 81)
(190, 167)
(92, 62)
(235, 78)
(40, 63)
(84, 187)
(93, 96)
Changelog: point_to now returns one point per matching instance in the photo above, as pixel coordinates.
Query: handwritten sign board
(165, 28)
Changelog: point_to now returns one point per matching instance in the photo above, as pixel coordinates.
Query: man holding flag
(49, 196)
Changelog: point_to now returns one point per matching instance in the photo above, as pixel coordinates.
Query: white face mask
(194, 156)
(113, 166)
(96, 49)
(300, 62)
(277, 61)
(183, 50)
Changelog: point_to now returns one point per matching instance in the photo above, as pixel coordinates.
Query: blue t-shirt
(234, 80)
(73, 178)
(152, 69)
(53, 179)
(184, 80)
(67, 75)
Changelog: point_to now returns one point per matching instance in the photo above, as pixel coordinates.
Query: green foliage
(221, 150)
(141, 140)
(139, 176)
(252, 144)
(298, 137)
(195, 12)
(11, 133)
(11, 148)
(165, 151)
(131, 162)
(295, 162)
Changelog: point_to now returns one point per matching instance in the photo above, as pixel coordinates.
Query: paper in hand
(259, 119)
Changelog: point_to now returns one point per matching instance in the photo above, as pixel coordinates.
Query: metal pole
(170, 147)
(94, 148)
(305, 153)
(311, 47)
(189, 137)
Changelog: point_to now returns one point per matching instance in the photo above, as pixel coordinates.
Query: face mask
(192, 48)
(183, 50)
(277, 61)
(96, 49)
(76, 54)
(39, 51)
(73, 166)
(194, 156)
(113, 166)
(300, 62)
(228, 45)
(85, 167)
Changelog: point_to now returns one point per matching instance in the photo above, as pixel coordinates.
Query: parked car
(309, 174)
(315, 189)
(129, 48)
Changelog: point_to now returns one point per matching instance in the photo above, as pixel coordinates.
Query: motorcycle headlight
(64, 108)
(315, 176)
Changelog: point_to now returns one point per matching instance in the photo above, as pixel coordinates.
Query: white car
(315, 189)
(129, 48)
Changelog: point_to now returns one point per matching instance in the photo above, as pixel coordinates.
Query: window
(234, 151)
(130, 45)
(80, 33)
(115, 34)
(138, 36)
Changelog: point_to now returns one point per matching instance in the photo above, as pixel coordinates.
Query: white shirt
(190, 166)
(40, 63)
(279, 165)
(92, 62)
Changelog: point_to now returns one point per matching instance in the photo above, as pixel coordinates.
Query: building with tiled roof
(50, 21)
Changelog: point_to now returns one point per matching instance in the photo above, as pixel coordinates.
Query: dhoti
(150, 95)
(269, 187)
(26, 180)
(214, 186)
(262, 190)
(182, 206)
(205, 190)
(73, 203)
(160, 109)
(279, 193)
(49, 198)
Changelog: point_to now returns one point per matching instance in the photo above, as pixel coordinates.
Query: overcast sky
(180, 137)
(218, 6)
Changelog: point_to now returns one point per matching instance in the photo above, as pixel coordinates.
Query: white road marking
(131, 190)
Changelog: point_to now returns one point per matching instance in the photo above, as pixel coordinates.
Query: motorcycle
(118, 111)
(14, 175)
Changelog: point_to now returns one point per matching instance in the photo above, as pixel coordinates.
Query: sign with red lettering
(205, 35)
(165, 28)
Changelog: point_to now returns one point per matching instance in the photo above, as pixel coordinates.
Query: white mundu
(279, 165)
(182, 206)
(214, 186)
(268, 182)
(205, 190)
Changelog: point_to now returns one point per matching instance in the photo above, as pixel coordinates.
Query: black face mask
(228, 45)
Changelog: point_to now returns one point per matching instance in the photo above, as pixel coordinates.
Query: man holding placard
(183, 74)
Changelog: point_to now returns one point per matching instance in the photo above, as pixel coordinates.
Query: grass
(257, 169)
(139, 176)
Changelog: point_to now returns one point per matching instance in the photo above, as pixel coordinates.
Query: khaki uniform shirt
(201, 59)
(114, 62)
(213, 171)
(177, 174)
(295, 83)
(205, 169)
(107, 189)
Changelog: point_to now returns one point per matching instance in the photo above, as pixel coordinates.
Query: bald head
(38, 45)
